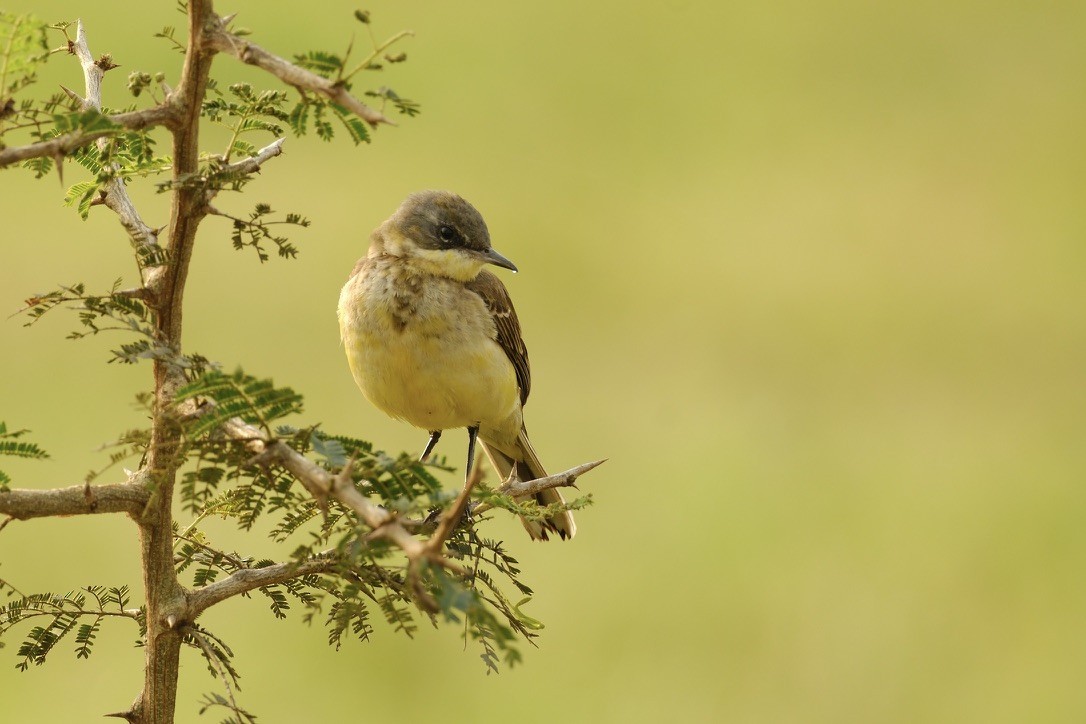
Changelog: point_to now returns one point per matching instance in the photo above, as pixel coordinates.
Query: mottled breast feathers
(496, 298)
(494, 295)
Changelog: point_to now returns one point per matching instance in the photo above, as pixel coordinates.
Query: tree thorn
(129, 715)
(73, 95)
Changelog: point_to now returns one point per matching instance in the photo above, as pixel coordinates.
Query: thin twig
(144, 238)
(517, 488)
(377, 51)
(253, 163)
(451, 518)
(63, 145)
(243, 167)
(291, 74)
(238, 563)
(321, 484)
(133, 614)
(214, 661)
(248, 579)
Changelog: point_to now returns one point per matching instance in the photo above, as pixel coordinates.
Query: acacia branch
(144, 238)
(23, 504)
(565, 479)
(253, 163)
(63, 145)
(92, 72)
(517, 488)
(291, 74)
(321, 484)
(244, 167)
(248, 579)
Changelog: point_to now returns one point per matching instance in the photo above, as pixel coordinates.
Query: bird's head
(441, 233)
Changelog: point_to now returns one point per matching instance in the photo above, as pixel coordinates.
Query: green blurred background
(809, 274)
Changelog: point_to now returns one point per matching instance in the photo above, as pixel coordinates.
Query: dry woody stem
(300, 78)
(74, 500)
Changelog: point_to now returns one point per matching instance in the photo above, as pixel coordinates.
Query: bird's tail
(528, 467)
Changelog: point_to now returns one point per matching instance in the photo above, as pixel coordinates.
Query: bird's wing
(490, 288)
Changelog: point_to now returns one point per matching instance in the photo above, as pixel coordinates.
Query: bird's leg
(435, 435)
(452, 515)
(473, 434)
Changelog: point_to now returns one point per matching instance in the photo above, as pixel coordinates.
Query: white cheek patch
(449, 262)
(453, 263)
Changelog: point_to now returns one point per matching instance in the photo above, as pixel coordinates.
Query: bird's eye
(447, 234)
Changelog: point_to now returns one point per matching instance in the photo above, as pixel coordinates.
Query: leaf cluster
(81, 611)
(405, 106)
(244, 112)
(254, 231)
(338, 68)
(12, 446)
(112, 311)
(365, 576)
(526, 508)
(123, 155)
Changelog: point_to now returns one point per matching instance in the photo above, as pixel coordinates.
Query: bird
(432, 338)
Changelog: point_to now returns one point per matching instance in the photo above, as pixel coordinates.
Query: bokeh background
(809, 274)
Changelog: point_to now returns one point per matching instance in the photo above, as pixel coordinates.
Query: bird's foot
(435, 435)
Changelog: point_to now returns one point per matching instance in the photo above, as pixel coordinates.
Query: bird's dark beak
(493, 257)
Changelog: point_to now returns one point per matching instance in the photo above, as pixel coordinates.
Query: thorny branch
(129, 497)
(321, 484)
(63, 145)
(248, 579)
(225, 42)
(116, 196)
(517, 488)
(254, 163)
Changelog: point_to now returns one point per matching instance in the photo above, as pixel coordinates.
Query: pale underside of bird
(432, 338)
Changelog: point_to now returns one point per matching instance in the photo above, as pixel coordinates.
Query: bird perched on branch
(432, 338)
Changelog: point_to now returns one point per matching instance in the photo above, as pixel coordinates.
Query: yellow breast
(423, 349)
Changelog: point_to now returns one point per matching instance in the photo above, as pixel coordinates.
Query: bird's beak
(493, 257)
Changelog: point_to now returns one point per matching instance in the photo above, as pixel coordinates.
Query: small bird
(432, 337)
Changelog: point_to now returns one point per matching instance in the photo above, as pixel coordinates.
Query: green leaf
(259, 124)
(88, 121)
(330, 449)
(11, 446)
(299, 117)
(320, 62)
(356, 128)
(223, 396)
(40, 166)
(88, 632)
(21, 449)
(81, 195)
(243, 148)
(405, 106)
